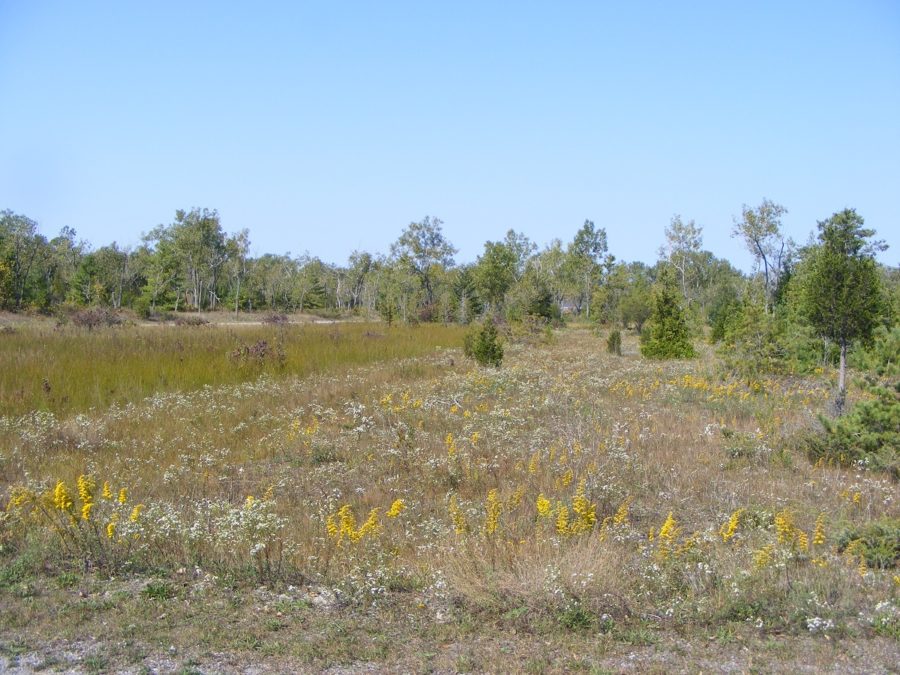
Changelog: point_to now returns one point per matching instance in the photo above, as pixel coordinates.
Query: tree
(495, 272)
(683, 242)
(20, 246)
(585, 258)
(841, 292)
(666, 336)
(760, 229)
(421, 247)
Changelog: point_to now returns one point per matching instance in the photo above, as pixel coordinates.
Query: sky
(330, 126)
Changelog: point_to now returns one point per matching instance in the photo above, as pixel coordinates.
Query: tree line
(192, 264)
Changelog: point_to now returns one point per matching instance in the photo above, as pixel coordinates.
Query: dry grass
(470, 559)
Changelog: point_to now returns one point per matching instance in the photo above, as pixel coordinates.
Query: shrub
(95, 317)
(882, 357)
(276, 319)
(667, 335)
(483, 344)
(614, 343)
(868, 435)
(190, 320)
(877, 542)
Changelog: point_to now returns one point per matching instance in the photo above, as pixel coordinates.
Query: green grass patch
(71, 370)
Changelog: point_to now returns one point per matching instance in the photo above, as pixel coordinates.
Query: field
(358, 498)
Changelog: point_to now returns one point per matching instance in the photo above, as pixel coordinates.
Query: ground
(570, 511)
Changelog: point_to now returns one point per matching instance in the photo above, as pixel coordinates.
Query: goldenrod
(396, 508)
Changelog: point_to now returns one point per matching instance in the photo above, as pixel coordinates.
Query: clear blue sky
(329, 126)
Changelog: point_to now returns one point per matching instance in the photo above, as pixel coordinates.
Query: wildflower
(450, 442)
(456, 516)
(516, 497)
(370, 526)
(567, 478)
(475, 437)
(136, 513)
(86, 510)
(86, 487)
(19, 496)
(107, 491)
(249, 502)
(493, 507)
(621, 516)
(784, 526)
(111, 526)
(667, 536)
(61, 498)
(562, 518)
(763, 557)
(534, 463)
(728, 529)
(819, 532)
(396, 508)
(123, 496)
(543, 506)
(586, 512)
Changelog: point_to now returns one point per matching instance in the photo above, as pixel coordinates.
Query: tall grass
(72, 370)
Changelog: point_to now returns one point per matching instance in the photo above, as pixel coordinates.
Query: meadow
(363, 498)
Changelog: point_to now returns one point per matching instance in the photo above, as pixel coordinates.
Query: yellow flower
(107, 491)
(729, 528)
(475, 437)
(136, 513)
(123, 496)
(493, 508)
(19, 496)
(819, 532)
(396, 508)
(533, 464)
(763, 557)
(567, 478)
(450, 442)
(457, 517)
(111, 526)
(667, 536)
(562, 518)
(784, 526)
(86, 487)
(543, 506)
(86, 510)
(61, 498)
(622, 512)
(582, 507)
(370, 526)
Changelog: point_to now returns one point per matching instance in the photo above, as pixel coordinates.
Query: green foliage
(482, 343)
(667, 335)
(882, 356)
(614, 343)
(868, 435)
(878, 542)
(841, 292)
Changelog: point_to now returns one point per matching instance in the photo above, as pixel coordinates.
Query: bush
(882, 357)
(868, 435)
(95, 317)
(667, 335)
(276, 319)
(483, 344)
(877, 542)
(614, 343)
(190, 320)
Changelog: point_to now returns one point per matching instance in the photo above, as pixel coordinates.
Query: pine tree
(666, 335)
(841, 293)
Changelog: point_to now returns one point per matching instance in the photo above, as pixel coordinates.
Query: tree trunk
(842, 385)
